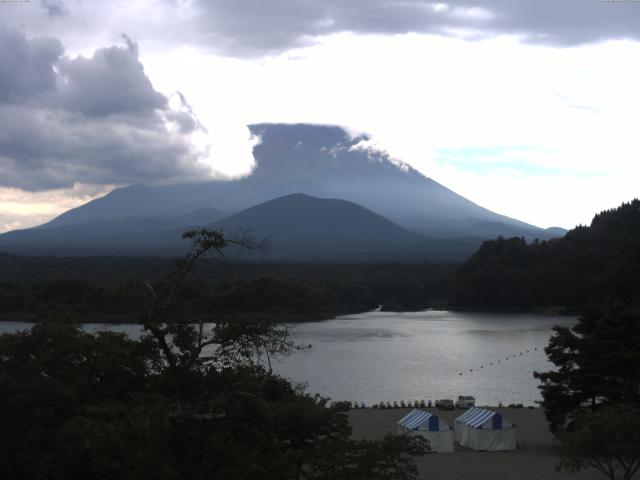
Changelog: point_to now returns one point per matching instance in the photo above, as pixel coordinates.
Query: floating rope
(535, 349)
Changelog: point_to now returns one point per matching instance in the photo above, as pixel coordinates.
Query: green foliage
(56, 379)
(90, 289)
(607, 440)
(289, 296)
(598, 363)
(590, 264)
(179, 403)
(78, 406)
(249, 343)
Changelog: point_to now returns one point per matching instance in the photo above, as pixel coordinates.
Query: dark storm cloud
(567, 22)
(254, 27)
(26, 67)
(112, 81)
(91, 120)
(258, 27)
(56, 149)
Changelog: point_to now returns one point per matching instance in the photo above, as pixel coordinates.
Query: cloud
(256, 27)
(111, 82)
(54, 8)
(21, 209)
(95, 120)
(426, 100)
(26, 67)
(419, 95)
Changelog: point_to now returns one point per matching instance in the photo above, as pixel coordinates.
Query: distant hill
(488, 229)
(556, 231)
(127, 235)
(297, 227)
(300, 225)
(589, 264)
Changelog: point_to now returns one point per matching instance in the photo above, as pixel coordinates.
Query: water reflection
(380, 356)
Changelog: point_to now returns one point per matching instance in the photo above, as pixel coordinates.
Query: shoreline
(279, 318)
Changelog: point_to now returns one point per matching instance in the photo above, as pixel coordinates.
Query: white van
(465, 401)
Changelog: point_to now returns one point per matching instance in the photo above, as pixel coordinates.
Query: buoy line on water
(506, 359)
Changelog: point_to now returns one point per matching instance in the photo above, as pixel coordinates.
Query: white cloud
(20, 209)
(561, 119)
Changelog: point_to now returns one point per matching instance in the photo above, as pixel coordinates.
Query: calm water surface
(381, 356)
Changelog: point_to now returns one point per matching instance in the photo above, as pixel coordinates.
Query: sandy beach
(534, 458)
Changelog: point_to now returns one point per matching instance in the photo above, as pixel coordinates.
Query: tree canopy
(607, 440)
(592, 397)
(590, 264)
(177, 403)
(597, 364)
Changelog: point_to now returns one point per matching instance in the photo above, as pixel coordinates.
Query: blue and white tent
(482, 429)
(438, 432)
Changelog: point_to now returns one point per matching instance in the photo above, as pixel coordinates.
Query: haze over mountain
(300, 218)
(322, 161)
(120, 236)
(294, 227)
(298, 226)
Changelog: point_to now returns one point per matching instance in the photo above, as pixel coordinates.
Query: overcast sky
(528, 108)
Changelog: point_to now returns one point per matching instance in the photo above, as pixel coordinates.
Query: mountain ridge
(320, 161)
(298, 227)
(301, 226)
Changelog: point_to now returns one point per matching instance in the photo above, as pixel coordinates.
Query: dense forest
(591, 264)
(94, 288)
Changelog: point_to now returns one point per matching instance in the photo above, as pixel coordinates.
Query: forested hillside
(590, 264)
(93, 288)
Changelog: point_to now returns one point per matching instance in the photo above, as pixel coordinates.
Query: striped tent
(482, 429)
(438, 432)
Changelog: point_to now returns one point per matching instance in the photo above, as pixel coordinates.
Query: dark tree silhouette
(598, 364)
(589, 264)
(178, 403)
(607, 440)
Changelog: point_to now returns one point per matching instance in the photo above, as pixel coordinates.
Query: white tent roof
(421, 420)
(482, 418)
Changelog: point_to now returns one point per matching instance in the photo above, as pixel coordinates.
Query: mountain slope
(321, 161)
(128, 235)
(300, 218)
(299, 226)
(296, 227)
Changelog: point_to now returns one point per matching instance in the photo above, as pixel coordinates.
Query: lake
(380, 356)
(383, 356)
